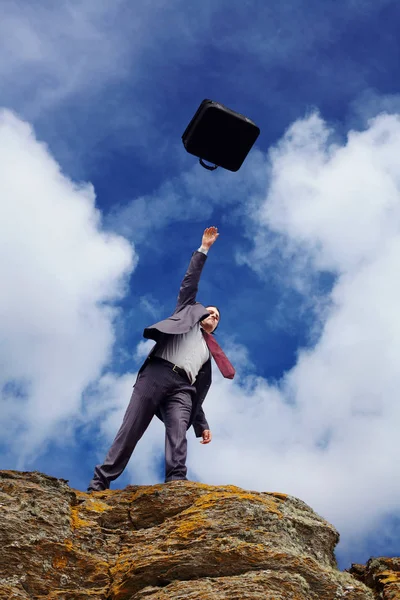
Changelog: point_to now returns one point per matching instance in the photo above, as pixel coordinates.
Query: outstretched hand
(209, 236)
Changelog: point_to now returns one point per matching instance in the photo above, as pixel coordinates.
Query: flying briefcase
(220, 136)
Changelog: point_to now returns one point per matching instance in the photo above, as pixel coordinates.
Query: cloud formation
(328, 431)
(61, 274)
(49, 54)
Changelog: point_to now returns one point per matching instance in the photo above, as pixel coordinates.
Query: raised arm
(190, 283)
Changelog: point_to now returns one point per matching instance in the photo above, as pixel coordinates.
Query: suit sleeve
(190, 284)
(200, 423)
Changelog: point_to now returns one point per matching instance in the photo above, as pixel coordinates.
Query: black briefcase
(220, 136)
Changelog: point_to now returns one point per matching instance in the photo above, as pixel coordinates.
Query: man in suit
(173, 381)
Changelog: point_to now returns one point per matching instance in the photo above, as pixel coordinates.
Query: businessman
(173, 381)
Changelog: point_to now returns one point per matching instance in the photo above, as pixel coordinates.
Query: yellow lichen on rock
(279, 495)
(68, 544)
(97, 505)
(212, 499)
(191, 525)
(76, 520)
(389, 577)
(59, 562)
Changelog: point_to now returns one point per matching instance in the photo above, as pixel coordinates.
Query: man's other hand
(207, 437)
(209, 236)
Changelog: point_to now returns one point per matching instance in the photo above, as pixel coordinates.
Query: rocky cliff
(180, 540)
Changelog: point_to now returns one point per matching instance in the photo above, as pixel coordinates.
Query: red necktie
(226, 368)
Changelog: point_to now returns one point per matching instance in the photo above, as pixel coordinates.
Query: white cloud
(68, 49)
(339, 203)
(328, 433)
(60, 274)
(143, 348)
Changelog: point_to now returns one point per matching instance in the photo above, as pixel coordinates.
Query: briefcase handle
(209, 167)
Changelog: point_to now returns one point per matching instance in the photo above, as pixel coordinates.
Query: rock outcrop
(180, 540)
(380, 574)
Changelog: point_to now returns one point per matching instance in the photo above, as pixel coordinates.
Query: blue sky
(101, 208)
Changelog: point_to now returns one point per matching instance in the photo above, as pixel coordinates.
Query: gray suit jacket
(187, 313)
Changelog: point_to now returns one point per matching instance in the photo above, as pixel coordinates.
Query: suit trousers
(157, 386)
